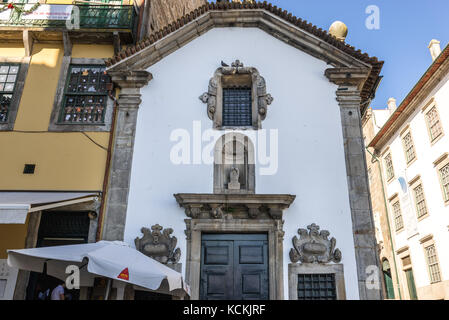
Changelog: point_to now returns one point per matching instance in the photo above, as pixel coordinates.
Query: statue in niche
(234, 179)
(159, 245)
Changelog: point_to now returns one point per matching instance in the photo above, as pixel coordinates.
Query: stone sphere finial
(339, 30)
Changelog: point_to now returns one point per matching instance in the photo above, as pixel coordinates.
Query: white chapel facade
(238, 156)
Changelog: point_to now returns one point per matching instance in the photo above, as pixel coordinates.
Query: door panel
(411, 284)
(234, 266)
(251, 270)
(216, 270)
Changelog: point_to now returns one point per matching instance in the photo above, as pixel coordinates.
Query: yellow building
(56, 114)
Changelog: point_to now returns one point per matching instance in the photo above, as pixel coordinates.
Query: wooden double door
(234, 267)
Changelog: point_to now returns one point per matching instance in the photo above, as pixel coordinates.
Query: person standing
(58, 292)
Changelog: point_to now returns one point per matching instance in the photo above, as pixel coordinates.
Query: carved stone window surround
(214, 96)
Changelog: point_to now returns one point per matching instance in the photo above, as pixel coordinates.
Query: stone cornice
(130, 79)
(256, 18)
(284, 200)
(348, 77)
(218, 206)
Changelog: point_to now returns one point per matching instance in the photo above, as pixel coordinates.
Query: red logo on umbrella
(124, 275)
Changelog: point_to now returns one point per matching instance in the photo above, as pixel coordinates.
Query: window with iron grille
(409, 148)
(317, 287)
(444, 174)
(85, 95)
(8, 79)
(420, 201)
(399, 223)
(237, 105)
(432, 262)
(389, 167)
(434, 124)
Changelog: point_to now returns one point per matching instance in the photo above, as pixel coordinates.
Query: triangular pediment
(280, 24)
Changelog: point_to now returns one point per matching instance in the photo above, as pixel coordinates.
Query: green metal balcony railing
(90, 17)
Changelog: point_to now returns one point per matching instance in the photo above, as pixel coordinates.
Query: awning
(113, 259)
(14, 206)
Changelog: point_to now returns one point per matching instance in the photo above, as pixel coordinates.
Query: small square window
(29, 169)
(317, 287)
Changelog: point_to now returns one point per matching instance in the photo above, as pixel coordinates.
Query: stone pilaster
(350, 82)
(128, 103)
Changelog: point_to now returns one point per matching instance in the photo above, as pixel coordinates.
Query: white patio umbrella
(113, 259)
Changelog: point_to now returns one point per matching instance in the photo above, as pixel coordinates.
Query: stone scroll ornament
(263, 100)
(314, 246)
(158, 244)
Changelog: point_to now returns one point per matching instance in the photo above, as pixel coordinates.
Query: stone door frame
(273, 227)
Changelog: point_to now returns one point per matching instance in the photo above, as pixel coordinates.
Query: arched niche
(234, 164)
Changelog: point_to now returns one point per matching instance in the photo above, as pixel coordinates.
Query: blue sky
(406, 28)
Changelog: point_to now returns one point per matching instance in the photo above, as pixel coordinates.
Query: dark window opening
(29, 168)
(237, 104)
(317, 287)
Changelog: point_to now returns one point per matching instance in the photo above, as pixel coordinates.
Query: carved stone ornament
(213, 97)
(313, 246)
(158, 244)
(234, 206)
